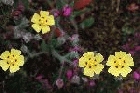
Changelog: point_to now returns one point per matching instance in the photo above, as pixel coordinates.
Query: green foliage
(44, 46)
(88, 22)
(128, 30)
(60, 4)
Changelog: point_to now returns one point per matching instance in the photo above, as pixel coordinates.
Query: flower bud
(59, 83)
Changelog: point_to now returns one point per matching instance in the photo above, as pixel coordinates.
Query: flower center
(119, 63)
(42, 21)
(11, 60)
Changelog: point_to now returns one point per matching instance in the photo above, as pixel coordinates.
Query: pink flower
(45, 82)
(69, 74)
(59, 83)
(75, 62)
(136, 75)
(67, 10)
(91, 83)
(55, 12)
(133, 7)
(39, 77)
(75, 79)
(76, 49)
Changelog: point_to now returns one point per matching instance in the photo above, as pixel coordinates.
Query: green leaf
(128, 30)
(44, 46)
(87, 23)
(25, 3)
(60, 4)
(53, 42)
(77, 13)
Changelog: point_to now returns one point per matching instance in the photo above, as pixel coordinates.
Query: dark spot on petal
(89, 66)
(116, 66)
(124, 61)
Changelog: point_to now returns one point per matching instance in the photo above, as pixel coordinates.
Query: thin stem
(118, 5)
(61, 70)
(59, 57)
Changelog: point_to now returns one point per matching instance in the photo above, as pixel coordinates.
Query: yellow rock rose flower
(91, 63)
(11, 60)
(119, 64)
(42, 21)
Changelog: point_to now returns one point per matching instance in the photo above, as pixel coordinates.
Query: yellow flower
(119, 64)
(42, 21)
(11, 60)
(91, 63)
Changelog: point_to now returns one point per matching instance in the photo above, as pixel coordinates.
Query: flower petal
(82, 62)
(44, 14)
(15, 52)
(35, 19)
(120, 54)
(129, 60)
(20, 60)
(50, 20)
(88, 72)
(45, 29)
(4, 65)
(14, 69)
(113, 71)
(98, 68)
(4, 55)
(111, 60)
(99, 58)
(36, 27)
(125, 71)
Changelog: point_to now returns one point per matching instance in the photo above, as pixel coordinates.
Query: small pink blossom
(76, 49)
(75, 62)
(67, 10)
(69, 74)
(44, 82)
(136, 75)
(55, 12)
(59, 83)
(75, 79)
(39, 77)
(133, 7)
(92, 83)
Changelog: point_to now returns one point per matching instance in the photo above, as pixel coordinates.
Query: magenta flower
(45, 82)
(136, 75)
(91, 83)
(69, 74)
(66, 10)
